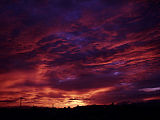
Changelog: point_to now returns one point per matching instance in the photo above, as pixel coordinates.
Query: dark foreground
(136, 111)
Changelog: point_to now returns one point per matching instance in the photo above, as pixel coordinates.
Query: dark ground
(135, 111)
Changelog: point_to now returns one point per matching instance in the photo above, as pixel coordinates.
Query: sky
(79, 52)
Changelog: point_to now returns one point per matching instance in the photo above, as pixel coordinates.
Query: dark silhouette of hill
(135, 111)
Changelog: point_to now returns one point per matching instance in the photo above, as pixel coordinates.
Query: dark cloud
(8, 101)
(68, 48)
(122, 95)
(152, 80)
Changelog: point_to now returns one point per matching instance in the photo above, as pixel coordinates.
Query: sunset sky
(79, 52)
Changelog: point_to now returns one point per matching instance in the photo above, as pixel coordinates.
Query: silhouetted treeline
(135, 111)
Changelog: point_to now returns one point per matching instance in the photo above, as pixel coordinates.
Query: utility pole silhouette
(52, 105)
(20, 101)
